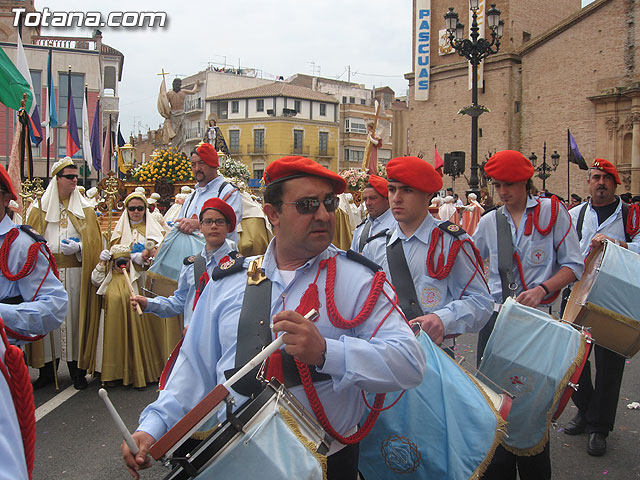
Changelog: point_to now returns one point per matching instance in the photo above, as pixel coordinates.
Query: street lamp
(475, 50)
(544, 170)
(128, 153)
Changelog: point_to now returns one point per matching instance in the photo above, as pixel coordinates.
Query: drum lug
(574, 386)
(185, 463)
(233, 420)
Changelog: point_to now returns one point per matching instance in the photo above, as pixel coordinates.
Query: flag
(438, 163)
(107, 149)
(574, 154)
(14, 164)
(86, 141)
(12, 84)
(96, 148)
(121, 143)
(52, 111)
(35, 132)
(73, 143)
(25, 124)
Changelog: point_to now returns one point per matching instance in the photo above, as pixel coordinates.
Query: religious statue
(215, 137)
(176, 98)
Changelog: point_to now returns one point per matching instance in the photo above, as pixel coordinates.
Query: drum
(445, 428)
(535, 357)
(269, 437)
(169, 260)
(607, 299)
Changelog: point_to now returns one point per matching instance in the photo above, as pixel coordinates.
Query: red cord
(17, 375)
(442, 270)
(534, 216)
(547, 301)
(633, 220)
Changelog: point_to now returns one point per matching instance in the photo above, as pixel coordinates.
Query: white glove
(105, 255)
(137, 258)
(69, 247)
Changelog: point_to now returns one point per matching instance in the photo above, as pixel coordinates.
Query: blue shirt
(612, 227)
(461, 299)
(181, 302)
(193, 203)
(383, 221)
(392, 360)
(541, 255)
(44, 307)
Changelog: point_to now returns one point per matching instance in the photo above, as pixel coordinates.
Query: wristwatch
(324, 359)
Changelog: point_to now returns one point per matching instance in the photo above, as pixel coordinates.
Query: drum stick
(118, 421)
(262, 356)
(126, 276)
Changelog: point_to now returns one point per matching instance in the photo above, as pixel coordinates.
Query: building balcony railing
(235, 149)
(253, 149)
(325, 152)
(194, 105)
(299, 149)
(193, 133)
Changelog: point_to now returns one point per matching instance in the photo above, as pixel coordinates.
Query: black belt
(12, 300)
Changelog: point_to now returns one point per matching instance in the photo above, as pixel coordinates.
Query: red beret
(509, 166)
(224, 208)
(6, 183)
(607, 167)
(208, 154)
(286, 168)
(414, 172)
(380, 185)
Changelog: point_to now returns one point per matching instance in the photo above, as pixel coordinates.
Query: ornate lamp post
(475, 50)
(544, 171)
(128, 152)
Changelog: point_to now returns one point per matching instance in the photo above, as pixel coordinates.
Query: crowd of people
(416, 259)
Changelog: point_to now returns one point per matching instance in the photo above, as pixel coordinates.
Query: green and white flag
(13, 84)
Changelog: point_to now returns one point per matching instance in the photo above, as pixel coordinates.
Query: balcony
(325, 152)
(194, 105)
(235, 149)
(193, 133)
(253, 149)
(299, 150)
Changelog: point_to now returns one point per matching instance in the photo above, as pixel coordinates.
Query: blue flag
(96, 132)
(52, 110)
(574, 154)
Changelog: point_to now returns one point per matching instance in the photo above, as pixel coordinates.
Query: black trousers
(505, 464)
(343, 465)
(598, 404)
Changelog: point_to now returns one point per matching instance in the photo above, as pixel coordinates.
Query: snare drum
(269, 437)
(607, 299)
(445, 428)
(535, 357)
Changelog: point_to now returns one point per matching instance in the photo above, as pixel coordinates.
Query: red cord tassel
(274, 367)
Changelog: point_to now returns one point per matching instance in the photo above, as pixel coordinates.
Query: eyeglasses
(207, 222)
(70, 176)
(139, 208)
(311, 205)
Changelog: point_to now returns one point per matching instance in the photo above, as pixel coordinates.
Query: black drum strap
(402, 281)
(505, 254)
(364, 235)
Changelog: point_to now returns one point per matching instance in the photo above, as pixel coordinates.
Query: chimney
(314, 83)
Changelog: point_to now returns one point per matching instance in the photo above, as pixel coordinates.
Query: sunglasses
(70, 176)
(139, 208)
(311, 205)
(207, 222)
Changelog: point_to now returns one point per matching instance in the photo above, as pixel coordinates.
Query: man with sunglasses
(432, 263)
(359, 341)
(204, 166)
(73, 234)
(217, 219)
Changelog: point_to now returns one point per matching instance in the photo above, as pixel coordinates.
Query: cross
(538, 255)
(163, 73)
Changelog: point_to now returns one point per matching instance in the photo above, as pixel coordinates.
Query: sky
(278, 37)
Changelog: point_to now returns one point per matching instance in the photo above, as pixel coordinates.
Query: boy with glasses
(217, 219)
(73, 234)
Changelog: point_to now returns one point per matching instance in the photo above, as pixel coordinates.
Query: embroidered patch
(453, 228)
(227, 265)
(538, 256)
(430, 297)
(400, 454)
(517, 381)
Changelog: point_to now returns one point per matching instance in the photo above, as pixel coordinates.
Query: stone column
(635, 147)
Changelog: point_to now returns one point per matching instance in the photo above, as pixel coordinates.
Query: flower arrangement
(382, 170)
(234, 169)
(356, 179)
(167, 163)
(474, 110)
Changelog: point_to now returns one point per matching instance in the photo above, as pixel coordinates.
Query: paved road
(77, 440)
